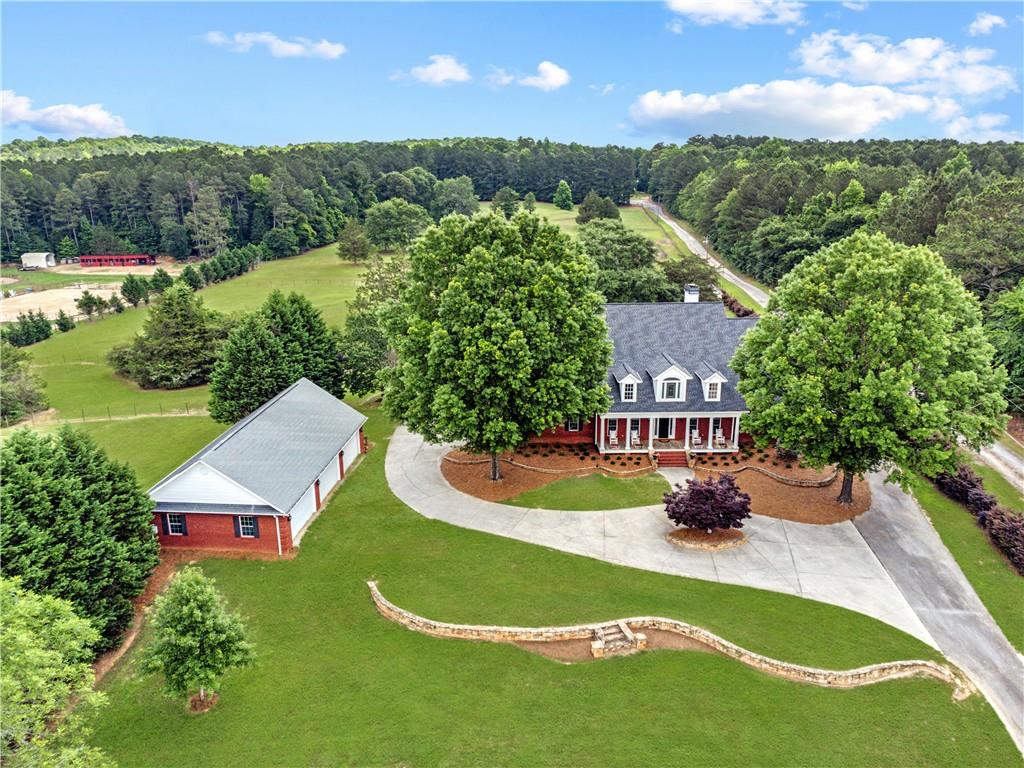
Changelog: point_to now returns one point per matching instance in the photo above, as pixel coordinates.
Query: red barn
(259, 485)
(116, 259)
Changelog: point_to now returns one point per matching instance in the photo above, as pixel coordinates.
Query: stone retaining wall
(575, 471)
(846, 678)
(773, 475)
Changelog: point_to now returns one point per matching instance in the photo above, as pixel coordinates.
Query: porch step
(671, 459)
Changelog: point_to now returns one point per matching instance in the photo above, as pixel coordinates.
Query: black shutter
(238, 530)
(184, 525)
(256, 526)
(163, 524)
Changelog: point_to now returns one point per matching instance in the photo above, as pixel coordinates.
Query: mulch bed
(691, 538)
(817, 506)
(763, 458)
(198, 706)
(577, 460)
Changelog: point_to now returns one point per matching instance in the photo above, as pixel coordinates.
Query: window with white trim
(573, 424)
(175, 524)
(714, 391)
(247, 526)
(670, 389)
(628, 392)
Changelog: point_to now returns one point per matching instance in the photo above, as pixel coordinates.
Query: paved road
(698, 248)
(913, 554)
(830, 563)
(1006, 462)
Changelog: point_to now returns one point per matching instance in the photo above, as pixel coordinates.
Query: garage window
(176, 525)
(247, 526)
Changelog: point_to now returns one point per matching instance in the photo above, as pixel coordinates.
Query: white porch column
(686, 429)
(650, 434)
(600, 425)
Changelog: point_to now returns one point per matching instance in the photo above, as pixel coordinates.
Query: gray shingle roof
(698, 337)
(277, 451)
(221, 509)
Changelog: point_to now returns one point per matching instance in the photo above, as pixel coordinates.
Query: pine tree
(506, 200)
(252, 368)
(529, 202)
(75, 525)
(160, 281)
(563, 196)
(195, 639)
(66, 248)
(307, 347)
(135, 289)
(64, 322)
(192, 278)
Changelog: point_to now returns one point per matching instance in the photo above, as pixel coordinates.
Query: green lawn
(998, 585)
(42, 279)
(632, 217)
(595, 492)
(999, 486)
(81, 384)
(335, 684)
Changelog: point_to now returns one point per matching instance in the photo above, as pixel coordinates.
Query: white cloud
(442, 69)
(920, 64)
(855, 6)
(296, 47)
(67, 120)
(739, 13)
(549, 77)
(604, 90)
(789, 108)
(984, 23)
(675, 26)
(986, 126)
(499, 77)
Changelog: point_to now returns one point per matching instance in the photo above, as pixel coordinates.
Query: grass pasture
(42, 279)
(335, 684)
(594, 491)
(80, 384)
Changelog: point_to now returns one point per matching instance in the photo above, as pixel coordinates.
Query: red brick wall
(561, 435)
(213, 532)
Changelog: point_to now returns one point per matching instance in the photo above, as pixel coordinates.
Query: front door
(664, 429)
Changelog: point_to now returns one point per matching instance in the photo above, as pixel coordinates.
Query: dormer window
(714, 390)
(670, 389)
(629, 392)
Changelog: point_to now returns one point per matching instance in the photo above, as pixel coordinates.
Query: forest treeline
(767, 204)
(764, 203)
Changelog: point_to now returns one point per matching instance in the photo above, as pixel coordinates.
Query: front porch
(712, 433)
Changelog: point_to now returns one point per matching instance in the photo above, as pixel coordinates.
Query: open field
(51, 302)
(335, 684)
(632, 217)
(80, 384)
(42, 279)
(594, 492)
(998, 585)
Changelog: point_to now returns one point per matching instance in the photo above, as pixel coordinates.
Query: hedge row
(1004, 528)
(736, 308)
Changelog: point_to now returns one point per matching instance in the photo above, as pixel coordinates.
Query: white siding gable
(351, 450)
(672, 372)
(202, 485)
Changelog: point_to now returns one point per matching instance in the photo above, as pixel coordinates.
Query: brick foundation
(217, 532)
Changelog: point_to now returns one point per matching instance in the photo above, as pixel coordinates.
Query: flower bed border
(574, 472)
(773, 475)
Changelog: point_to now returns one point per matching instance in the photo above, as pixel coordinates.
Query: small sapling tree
(196, 639)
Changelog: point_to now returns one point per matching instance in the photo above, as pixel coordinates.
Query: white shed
(40, 260)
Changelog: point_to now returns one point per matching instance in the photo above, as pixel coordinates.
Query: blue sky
(623, 73)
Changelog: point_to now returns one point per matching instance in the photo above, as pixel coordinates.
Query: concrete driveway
(830, 563)
(912, 552)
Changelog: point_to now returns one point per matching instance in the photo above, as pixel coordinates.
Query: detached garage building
(38, 260)
(258, 486)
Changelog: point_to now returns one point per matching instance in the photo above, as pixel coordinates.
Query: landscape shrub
(735, 307)
(1007, 532)
(966, 487)
(712, 504)
(28, 329)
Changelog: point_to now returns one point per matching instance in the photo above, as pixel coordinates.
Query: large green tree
(75, 525)
(596, 207)
(871, 355)
(454, 196)
(626, 263)
(195, 638)
(271, 349)
(563, 196)
(1005, 327)
(353, 243)
(178, 345)
(395, 223)
(499, 335)
(505, 201)
(46, 689)
(982, 237)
